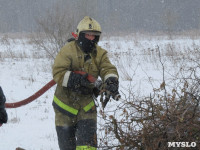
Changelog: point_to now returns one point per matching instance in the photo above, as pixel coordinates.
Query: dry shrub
(151, 122)
(169, 114)
(54, 31)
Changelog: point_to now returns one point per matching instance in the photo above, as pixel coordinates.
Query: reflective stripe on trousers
(81, 136)
(67, 109)
(85, 148)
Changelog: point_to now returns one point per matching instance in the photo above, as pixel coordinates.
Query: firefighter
(74, 106)
(3, 114)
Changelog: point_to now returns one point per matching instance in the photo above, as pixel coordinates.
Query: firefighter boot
(86, 134)
(66, 137)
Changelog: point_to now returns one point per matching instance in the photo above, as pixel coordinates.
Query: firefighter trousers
(77, 132)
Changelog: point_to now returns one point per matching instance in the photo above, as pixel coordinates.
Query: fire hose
(31, 98)
(42, 91)
(52, 83)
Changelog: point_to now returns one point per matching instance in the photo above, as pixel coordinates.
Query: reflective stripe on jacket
(71, 58)
(69, 110)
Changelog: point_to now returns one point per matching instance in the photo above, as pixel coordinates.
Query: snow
(28, 126)
(25, 70)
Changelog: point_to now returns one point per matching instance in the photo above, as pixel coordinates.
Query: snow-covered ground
(24, 70)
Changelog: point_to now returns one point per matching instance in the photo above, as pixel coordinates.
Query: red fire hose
(42, 91)
(31, 98)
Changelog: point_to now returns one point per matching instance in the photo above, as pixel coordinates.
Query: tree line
(113, 15)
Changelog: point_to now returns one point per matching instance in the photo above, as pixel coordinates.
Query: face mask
(85, 44)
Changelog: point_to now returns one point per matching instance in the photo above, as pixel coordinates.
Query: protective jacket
(72, 58)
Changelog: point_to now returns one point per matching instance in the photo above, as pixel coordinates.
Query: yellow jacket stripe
(85, 148)
(89, 106)
(64, 106)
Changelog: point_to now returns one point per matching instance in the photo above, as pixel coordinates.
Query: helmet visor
(92, 32)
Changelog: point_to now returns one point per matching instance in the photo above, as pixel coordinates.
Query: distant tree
(54, 30)
(56, 26)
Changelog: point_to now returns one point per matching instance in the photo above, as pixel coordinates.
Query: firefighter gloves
(112, 85)
(79, 83)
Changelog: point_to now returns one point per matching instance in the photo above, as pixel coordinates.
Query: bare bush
(168, 114)
(151, 122)
(5, 40)
(54, 31)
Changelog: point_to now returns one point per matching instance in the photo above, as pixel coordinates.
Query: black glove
(112, 85)
(79, 83)
(96, 92)
(3, 114)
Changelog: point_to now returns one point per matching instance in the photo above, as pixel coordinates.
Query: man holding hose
(75, 110)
